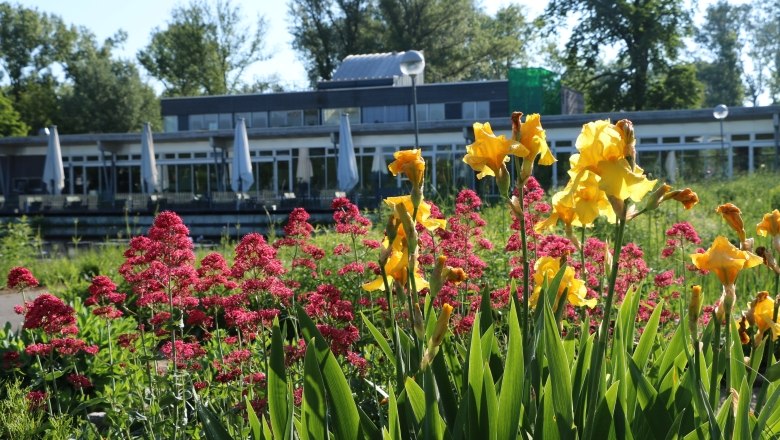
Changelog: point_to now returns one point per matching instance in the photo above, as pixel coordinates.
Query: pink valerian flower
(79, 381)
(313, 251)
(158, 266)
(666, 279)
(372, 244)
(127, 341)
(50, 314)
(214, 273)
(298, 396)
(360, 364)
(294, 353)
(499, 298)
(554, 246)
(342, 249)
(255, 378)
(341, 339)
(298, 226)
(632, 269)
(199, 318)
(10, 360)
(678, 236)
(20, 278)
(348, 218)
(327, 302)
(186, 352)
(354, 267)
(36, 400)
(254, 255)
(72, 346)
(199, 385)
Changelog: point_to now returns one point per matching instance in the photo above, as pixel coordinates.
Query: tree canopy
(459, 41)
(204, 50)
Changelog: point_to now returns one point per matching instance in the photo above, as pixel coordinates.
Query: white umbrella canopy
(304, 170)
(378, 163)
(671, 167)
(149, 177)
(241, 178)
(53, 171)
(347, 172)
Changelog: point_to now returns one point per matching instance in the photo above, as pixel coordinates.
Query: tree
(719, 36)
(677, 88)
(763, 29)
(459, 41)
(203, 50)
(10, 121)
(326, 31)
(105, 94)
(644, 36)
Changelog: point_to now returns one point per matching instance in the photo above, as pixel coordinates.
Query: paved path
(8, 299)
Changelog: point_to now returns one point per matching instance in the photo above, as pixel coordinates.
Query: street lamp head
(412, 63)
(720, 111)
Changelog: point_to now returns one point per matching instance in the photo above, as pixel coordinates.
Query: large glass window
(195, 122)
(170, 124)
(287, 118)
(311, 117)
(330, 116)
(225, 121)
(387, 113)
(260, 119)
(476, 110)
(430, 112)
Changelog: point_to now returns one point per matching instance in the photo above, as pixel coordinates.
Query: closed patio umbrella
(149, 178)
(241, 178)
(347, 171)
(304, 170)
(53, 171)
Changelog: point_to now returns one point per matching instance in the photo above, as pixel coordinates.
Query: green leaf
(380, 340)
(415, 397)
(642, 351)
(473, 395)
(212, 426)
(344, 419)
(314, 408)
(278, 396)
(742, 422)
(393, 424)
(510, 398)
(447, 397)
(254, 422)
(738, 371)
(559, 375)
(674, 430)
(432, 423)
(766, 411)
(489, 405)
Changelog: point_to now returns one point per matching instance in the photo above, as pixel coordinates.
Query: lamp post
(720, 112)
(413, 64)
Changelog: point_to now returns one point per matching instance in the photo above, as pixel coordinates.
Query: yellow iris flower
(423, 213)
(602, 149)
(725, 260)
(488, 154)
(578, 204)
(760, 314)
(769, 225)
(546, 268)
(531, 136)
(733, 217)
(397, 271)
(411, 163)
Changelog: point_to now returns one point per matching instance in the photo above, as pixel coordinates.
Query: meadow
(615, 307)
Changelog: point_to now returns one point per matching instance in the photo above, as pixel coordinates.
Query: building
(193, 154)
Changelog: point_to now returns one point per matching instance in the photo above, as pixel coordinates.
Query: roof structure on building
(369, 70)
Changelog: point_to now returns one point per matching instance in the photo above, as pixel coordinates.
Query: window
(170, 124)
(311, 117)
(196, 122)
(225, 121)
(211, 121)
(330, 116)
(476, 110)
(287, 118)
(430, 112)
(390, 113)
(260, 119)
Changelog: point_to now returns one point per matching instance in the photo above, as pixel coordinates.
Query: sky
(140, 17)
